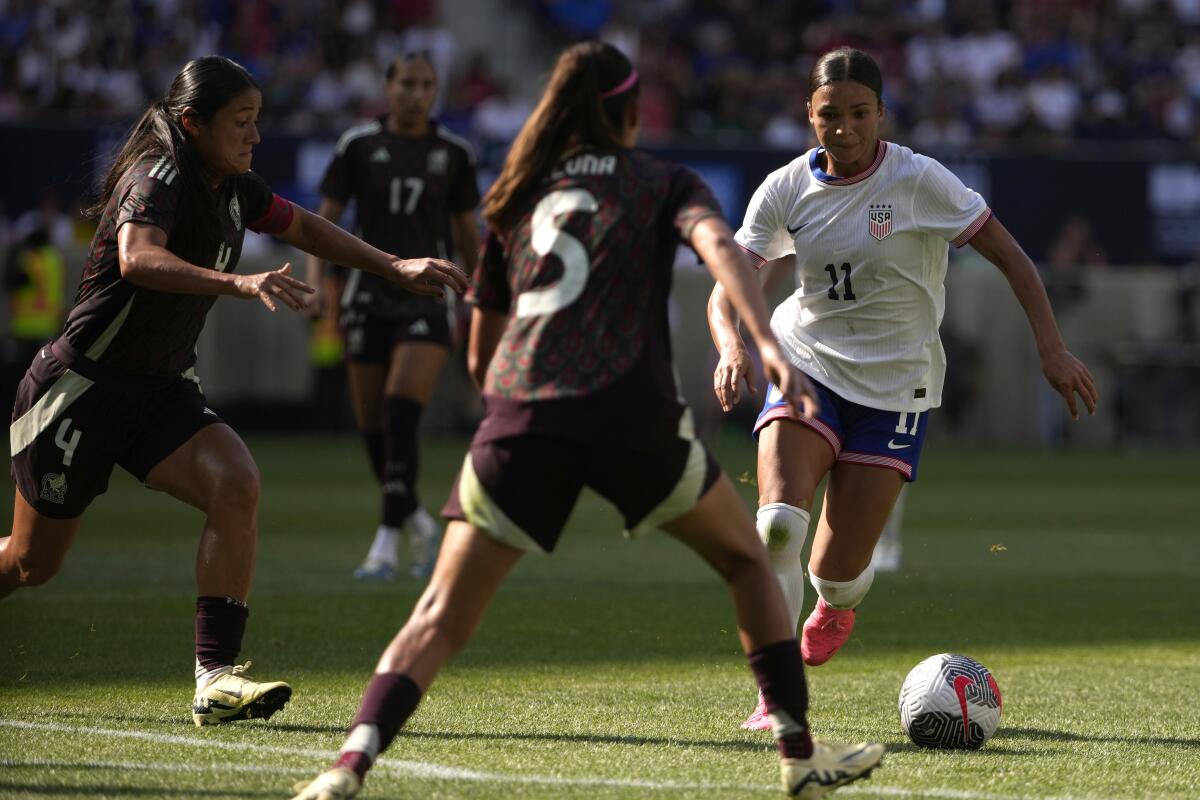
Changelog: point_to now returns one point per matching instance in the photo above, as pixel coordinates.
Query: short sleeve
(256, 195)
(690, 201)
(464, 193)
(336, 183)
(151, 196)
(943, 206)
(764, 222)
(489, 285)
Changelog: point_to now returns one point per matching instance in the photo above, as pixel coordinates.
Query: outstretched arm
(714, 243)
(144, 260)
(1065, 372)
(734, 364)
(320, 237)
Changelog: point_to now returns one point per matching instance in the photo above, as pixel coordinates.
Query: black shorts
(371, 340)
(520, 490)
(70, 426)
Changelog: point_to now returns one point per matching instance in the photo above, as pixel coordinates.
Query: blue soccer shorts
(857, 434)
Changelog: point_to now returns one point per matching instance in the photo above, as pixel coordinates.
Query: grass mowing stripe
(425, 770)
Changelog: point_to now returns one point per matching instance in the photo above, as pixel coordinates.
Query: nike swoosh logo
(961, 682)
(795, 230)
(995, 689)
(893, 446)
(235, 693)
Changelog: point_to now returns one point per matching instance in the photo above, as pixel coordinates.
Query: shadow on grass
(185, 724)
(1068, 736)
(895, 748)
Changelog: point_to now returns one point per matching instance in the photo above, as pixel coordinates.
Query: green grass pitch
(612, 669)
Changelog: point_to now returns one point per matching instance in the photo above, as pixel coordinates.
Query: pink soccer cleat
(825, 630)
(759, 719)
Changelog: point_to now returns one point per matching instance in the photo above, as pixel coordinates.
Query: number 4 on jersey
(67, 445)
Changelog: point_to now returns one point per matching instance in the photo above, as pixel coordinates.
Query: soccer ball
(950, 701)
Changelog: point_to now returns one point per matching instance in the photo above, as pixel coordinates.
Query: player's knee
(844, 594)
(34, 570)
(736, 563)
(239, 488)
(783, 529)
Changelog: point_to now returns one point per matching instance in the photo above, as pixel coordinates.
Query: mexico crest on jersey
(438, 161)
(879, 220)
(54, 487)
(235, 213)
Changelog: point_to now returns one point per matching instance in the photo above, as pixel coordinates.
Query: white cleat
(230, 697)
(424, 542)
(338, 783)
(830, 766)
(374, 569)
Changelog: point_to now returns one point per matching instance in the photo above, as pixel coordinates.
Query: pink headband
(623, 86)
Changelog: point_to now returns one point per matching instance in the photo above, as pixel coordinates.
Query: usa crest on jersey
(879, 221)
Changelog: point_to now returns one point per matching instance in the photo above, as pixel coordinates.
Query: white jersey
(870, 266)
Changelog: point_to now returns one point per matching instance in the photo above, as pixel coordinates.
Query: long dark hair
(206, 85)
(846, 64)
(578, 108)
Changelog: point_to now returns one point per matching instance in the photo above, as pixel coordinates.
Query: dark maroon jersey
(138, 331)
(404, 191)
(584, 277)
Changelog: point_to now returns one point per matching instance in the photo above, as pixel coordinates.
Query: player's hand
(1069, 377)
(314, 304)
(272, 286)
(734, 367)
(793, 384)
(427, 275)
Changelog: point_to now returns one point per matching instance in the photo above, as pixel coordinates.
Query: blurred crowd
(957, 72)
(320, 63)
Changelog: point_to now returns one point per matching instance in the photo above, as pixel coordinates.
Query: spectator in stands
(1095, 70)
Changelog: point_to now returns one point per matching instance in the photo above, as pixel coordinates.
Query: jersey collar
(814, 162)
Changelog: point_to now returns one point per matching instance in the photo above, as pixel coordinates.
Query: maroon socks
(220, 623)
(389, 701)
(779, 671)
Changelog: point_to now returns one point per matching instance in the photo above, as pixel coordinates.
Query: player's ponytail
(846, 64)
(584, 105)
(204, 84)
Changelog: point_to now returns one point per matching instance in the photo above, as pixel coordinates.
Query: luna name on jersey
(586, 164)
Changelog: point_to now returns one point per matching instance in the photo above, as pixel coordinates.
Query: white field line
(147, 766)
(422, 769)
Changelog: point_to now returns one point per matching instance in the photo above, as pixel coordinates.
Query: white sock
(783, 529)
(363, 739)
(386, 546)
(844, 594)
(206, 676)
